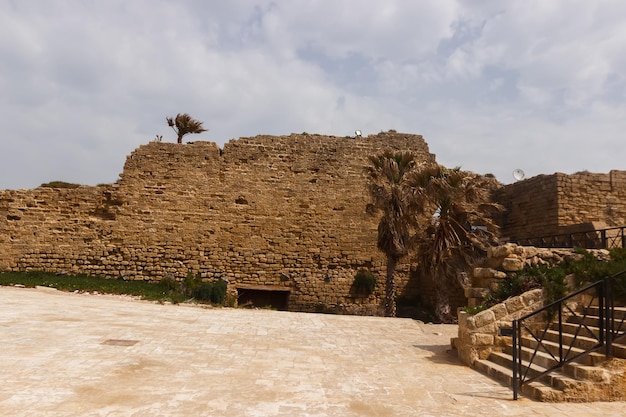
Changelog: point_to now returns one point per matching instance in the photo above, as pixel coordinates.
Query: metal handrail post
(561, 359)
(608, 315)
(515, 369)
(601, 294)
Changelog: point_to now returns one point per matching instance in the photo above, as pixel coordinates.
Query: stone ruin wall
(274, 213)
(555, 204)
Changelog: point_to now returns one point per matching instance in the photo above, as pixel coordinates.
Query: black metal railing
(551, 319)
(614, 237)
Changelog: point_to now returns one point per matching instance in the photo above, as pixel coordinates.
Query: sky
(492, 85)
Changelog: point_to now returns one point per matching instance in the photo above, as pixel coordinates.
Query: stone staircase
(592, 377)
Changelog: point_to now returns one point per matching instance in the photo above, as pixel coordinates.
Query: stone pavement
(67, 354)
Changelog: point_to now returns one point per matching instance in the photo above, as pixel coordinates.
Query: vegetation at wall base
(163, 291)
(213, 292)
(588, 270)
(585, 270)
(364, 282)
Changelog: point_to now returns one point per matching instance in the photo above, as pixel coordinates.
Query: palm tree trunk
(442, 300)
(390, 287)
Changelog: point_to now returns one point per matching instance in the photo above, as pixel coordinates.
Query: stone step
(619, 348)
(571, 339)
(593, 322)
(494, 370)
(620, 312)
(550, 347)
(582, 343)
(542, 362)
(582, 376)
(499, 366)
(535, 389)
(619, 345)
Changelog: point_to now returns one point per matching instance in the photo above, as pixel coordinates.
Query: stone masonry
(559, 203)
(479, 334)
(267, 213)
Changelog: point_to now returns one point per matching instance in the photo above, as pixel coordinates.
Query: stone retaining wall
(479, 334)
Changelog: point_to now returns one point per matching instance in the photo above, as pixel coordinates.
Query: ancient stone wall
(559, 203)
(266, 213)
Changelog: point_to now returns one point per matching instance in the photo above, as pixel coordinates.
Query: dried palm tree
(184, 124)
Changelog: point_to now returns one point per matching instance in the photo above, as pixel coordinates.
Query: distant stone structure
(559, 203)
(283, 219)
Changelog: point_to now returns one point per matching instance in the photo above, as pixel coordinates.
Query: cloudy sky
(491, 85)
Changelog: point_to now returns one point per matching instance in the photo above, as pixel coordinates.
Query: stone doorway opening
(263, 296)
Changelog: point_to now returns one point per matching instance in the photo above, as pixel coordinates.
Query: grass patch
(161, 291)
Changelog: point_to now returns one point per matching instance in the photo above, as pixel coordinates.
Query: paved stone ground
(87, 355)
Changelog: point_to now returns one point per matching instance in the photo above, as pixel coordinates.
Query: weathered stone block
(499, 311)
(512, 264)
(471, 322)
(481, 339)
(532, 297)
(476, 292)
(483, 272)
(484, 318)
(514, 304)
(501, 251)
(499, 275)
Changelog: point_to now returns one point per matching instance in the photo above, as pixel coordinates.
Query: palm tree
(184, 124)
(387, 176)
(461, 228)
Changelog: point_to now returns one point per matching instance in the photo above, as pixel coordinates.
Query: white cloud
(492, 85)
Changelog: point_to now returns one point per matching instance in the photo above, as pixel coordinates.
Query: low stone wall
(479, 334)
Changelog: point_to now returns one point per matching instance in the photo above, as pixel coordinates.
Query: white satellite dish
(518, 174)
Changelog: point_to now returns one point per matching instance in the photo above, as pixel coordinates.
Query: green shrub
(364, 282)
(203, 291)
(552, 280)
(214, 292)
(170, 284)
(218, 294)
(475, 310)
(515, 284)
(191, 282)
(589, 270)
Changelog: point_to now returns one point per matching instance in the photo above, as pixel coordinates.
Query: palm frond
(184, 124)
